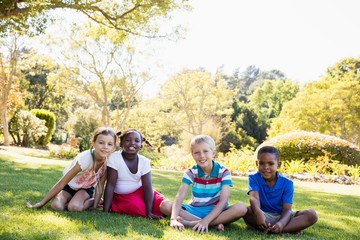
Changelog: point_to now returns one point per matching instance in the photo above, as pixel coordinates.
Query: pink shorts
(133, 203)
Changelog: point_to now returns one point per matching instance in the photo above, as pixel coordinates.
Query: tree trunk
(5, 124)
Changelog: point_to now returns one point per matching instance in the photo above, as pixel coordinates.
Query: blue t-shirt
(272, 199)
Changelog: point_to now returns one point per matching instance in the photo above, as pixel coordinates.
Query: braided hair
(122, 135)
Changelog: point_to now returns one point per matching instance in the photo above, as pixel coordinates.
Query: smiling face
(103, 146)
(131, 142)
(267, 165)
(203, 155)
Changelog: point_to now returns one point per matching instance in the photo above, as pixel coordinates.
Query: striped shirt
(206, 190)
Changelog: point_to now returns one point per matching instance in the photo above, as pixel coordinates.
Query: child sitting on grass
(75, 190)
(210, 192)
(271, 198)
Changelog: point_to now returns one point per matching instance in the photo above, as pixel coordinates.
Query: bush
(307, 146)
(238, 161)
(50, 121)
(64, 153)
(26, 129)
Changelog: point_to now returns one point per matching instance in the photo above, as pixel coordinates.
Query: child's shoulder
(283, 177)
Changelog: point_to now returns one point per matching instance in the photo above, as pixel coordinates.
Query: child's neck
(207, 170)
(129, 156)
(271, 182)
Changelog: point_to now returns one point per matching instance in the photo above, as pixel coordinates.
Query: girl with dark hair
(129, 185)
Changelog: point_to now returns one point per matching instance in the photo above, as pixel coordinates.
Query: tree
(268, 100)
(43, 87)
(106, 72)
(26, 128)
(244, 83)
(127, 17)
(330, 105)
(154, 123)
(193, 98)
(8, 72)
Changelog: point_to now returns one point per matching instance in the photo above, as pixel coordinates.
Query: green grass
(21, 181)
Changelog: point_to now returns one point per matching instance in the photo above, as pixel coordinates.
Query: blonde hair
(203, 138)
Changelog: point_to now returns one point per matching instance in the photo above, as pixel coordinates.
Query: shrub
(238, 160)
(26, 129)
(64, 153)
(310, 145)
(50, 121)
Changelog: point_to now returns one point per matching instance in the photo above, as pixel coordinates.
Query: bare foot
(187, 223)
(220, 227)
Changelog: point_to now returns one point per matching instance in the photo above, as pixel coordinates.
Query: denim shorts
(72, 192)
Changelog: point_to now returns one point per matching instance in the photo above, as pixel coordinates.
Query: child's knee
(240, 209)
(165, 207)
(75, 207)
(312, 216)
(57, 206)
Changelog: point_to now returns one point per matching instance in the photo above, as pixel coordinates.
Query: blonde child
(210, 192)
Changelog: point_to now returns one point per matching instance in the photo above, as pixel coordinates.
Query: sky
(302, 38)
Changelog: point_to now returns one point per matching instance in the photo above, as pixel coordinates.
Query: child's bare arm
(255, 207)
(284, 219)
(175, 211)
(112, 176)
(57, 187)
(99, 191)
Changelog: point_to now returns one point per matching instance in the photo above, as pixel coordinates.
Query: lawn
(28, 175)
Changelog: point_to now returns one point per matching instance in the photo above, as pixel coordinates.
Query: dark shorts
(72, 192)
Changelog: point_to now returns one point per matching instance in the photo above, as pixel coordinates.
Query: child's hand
(262, 223)
(36, 205)
(176, 224)
(201, 226)
(153, 216)
(276, 228)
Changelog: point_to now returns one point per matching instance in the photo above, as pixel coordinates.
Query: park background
(266, 72)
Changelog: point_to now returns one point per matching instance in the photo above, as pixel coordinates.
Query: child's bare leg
(250, 218)
(80, 202)
(60, 201)
(166, 208)
(188, 223)
(232, 214)
(301, 220)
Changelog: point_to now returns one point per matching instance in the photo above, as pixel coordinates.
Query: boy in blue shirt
(271, 198)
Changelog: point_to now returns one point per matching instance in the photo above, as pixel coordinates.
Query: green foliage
(330, 106)
(84, 124)
(244, 83)
(354, 171)
(50, 122)
(64, 153)
(292, 167)
(176, 159)
(154, 156)
(268, 100)
(129, 17)
(309, 145)
(193, 98)
(238, 161)
(26, 129)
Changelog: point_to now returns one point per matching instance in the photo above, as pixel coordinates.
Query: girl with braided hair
(129, 185)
